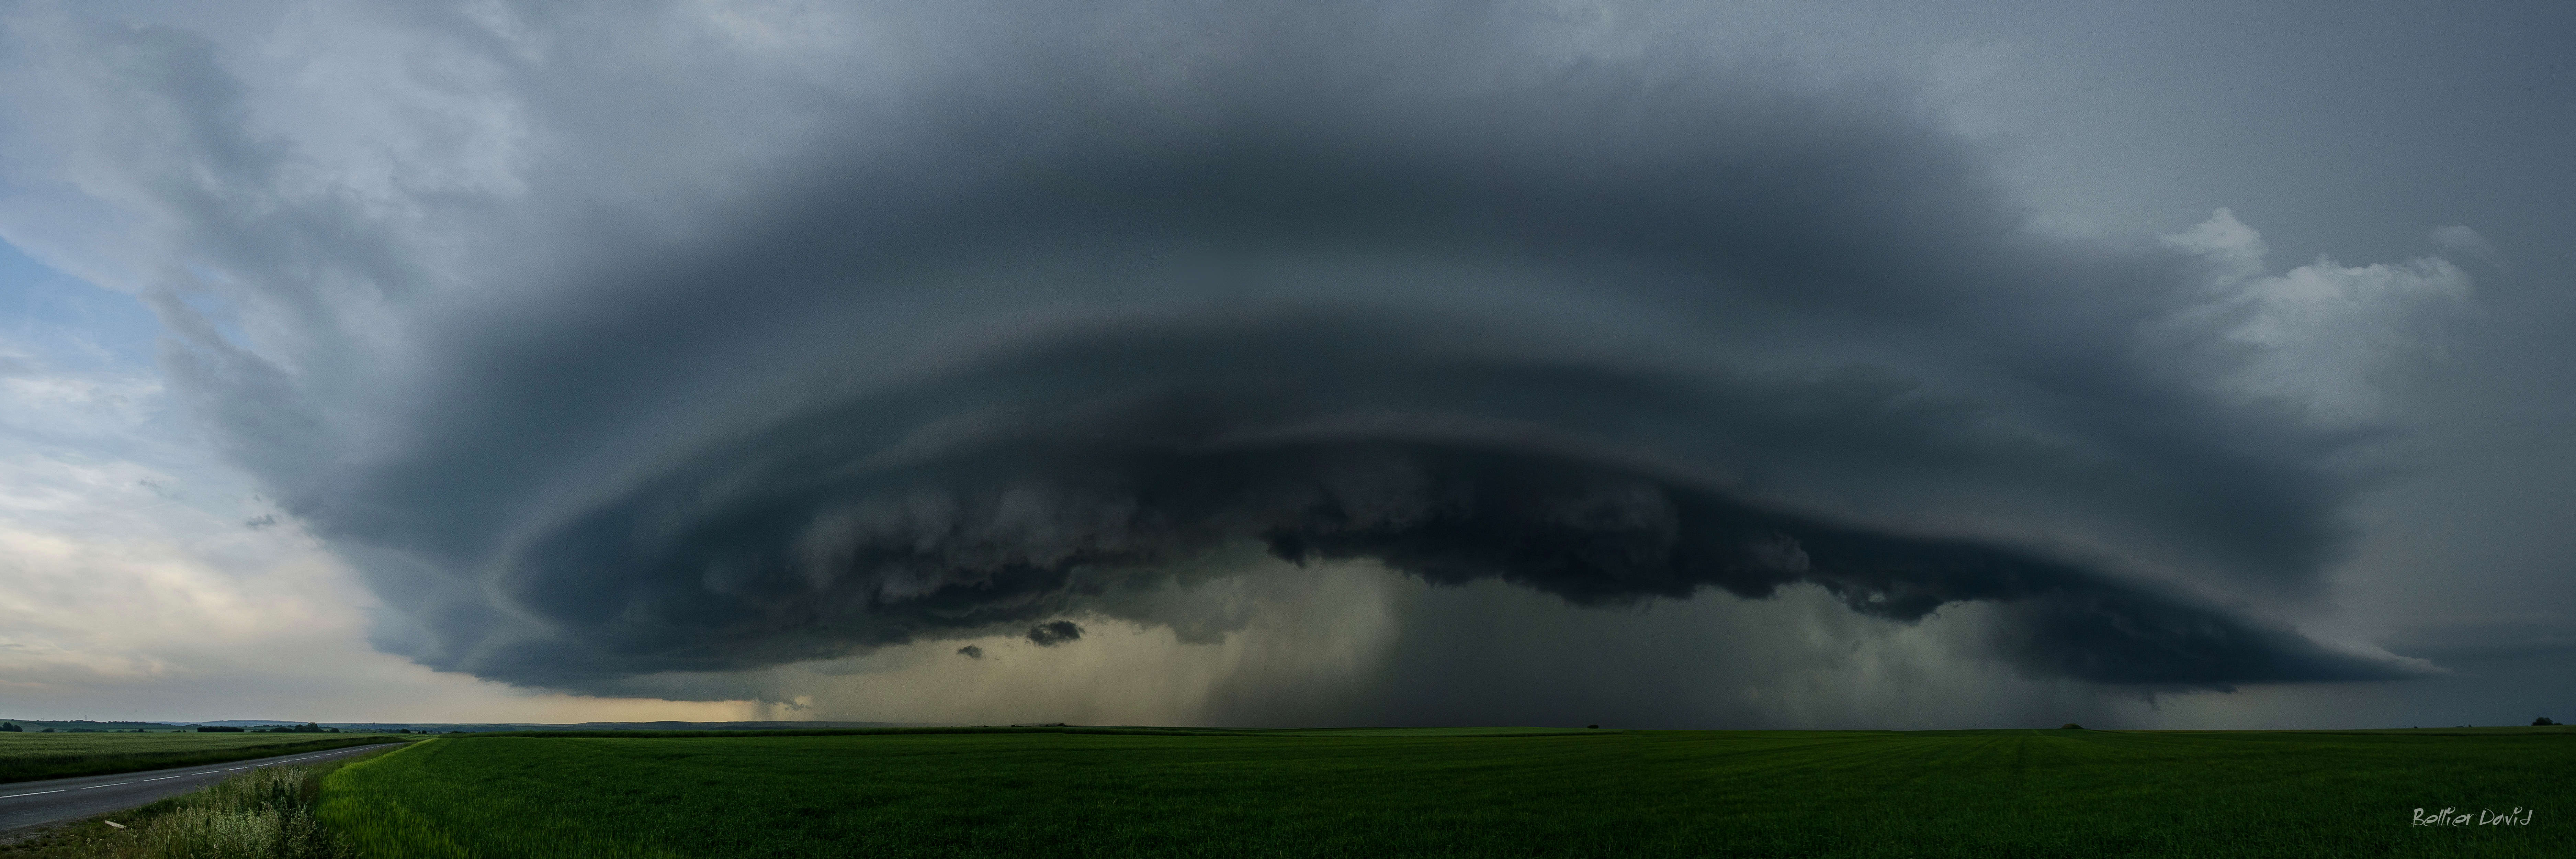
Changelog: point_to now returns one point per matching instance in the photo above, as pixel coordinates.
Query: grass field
(1387, 793)
(25, 757)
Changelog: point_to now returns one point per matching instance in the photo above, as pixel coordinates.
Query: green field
(1393, 793)
(26, 757)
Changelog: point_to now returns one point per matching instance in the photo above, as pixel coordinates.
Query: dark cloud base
(884, 521)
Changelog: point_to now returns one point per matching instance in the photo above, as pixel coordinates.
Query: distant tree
(2544, 720)
(11, 728)
(46, 731)
(306, 728)
(2070, 726)
(217, 729)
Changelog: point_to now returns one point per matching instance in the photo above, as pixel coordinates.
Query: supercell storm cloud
(1473, 294)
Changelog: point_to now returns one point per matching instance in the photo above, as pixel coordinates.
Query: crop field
(25, 756)
(1396, 793)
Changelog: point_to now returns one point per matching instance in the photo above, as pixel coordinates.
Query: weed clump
(263, 814)
(266, 813)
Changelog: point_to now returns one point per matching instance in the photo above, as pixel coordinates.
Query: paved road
(25, 804)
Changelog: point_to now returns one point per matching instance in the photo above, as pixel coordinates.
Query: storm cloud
(1475, 293)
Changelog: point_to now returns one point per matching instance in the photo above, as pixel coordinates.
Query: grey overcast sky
(1831, 365)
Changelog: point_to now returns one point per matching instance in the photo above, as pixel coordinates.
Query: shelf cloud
(1053, 306)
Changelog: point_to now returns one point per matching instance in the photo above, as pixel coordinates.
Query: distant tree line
(306, 728)
(10, 728)
(85, 726)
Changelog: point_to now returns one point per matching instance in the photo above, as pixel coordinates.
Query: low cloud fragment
(971, 652)
(1053, 633)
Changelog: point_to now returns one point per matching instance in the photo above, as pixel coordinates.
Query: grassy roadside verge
(30, 764)
(267, 812)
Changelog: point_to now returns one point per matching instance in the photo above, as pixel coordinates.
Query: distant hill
(480, 727)
(445, 727)
(86, 725)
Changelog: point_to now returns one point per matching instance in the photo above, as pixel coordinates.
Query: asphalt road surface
(25, 804)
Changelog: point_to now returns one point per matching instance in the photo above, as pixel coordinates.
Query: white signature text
(2482, 817)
